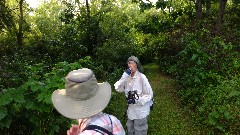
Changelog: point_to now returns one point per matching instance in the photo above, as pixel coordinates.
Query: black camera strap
(98, 129)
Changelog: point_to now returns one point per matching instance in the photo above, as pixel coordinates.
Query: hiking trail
(168, 116)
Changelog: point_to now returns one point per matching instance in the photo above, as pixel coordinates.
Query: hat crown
(133, 58)
(83, 96)
(81, 84)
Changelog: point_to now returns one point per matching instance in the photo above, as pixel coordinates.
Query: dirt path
(168, 117)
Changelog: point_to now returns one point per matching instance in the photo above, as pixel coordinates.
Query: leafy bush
(199, 64)
(221, 106)
(28, 109)
(12, 74)
(204, 69)
(115, 53)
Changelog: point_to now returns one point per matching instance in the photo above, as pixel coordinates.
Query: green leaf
(56, 127)
(227, 115)
(215, 114)
(212, 121)
(220, 127)
(6, 122)
(56, 79)
(19, 98)
(29, 105)
(48, 99)
(34, 86)
(5, 99)
(193, 57)
(234, 93)
(41, 97)
(222, 109)
(3, 112)
(25, 85)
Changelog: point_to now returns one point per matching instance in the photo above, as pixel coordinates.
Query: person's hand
(128, 71)
(131, 101)
(74, 130)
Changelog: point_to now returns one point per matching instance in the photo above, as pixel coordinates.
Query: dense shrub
(221, 106)
(204, 69)
(28, 109)
(12, 73)
(115, 53)
(200, 64)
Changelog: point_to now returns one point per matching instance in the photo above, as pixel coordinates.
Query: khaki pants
(137, 127)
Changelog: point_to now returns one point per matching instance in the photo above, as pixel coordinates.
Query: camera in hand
(133, 95)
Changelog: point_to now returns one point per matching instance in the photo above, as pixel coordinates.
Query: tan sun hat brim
(82, 109)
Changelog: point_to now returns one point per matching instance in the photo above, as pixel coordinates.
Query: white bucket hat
(82, 97)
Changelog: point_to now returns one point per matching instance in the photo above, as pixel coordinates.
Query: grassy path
(168, 117)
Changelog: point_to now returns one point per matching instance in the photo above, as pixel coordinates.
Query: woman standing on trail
(138, 93)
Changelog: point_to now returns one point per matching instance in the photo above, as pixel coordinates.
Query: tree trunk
(88, 36)
(208, 6)
(220, 16)
(88, 10)
(199, 13)
(20, 32)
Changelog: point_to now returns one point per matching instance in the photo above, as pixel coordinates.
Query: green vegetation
(168, 116)
(194, 43)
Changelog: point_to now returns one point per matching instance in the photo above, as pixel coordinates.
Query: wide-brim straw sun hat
(83, 96)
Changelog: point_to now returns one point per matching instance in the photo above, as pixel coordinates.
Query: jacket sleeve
(147, 92)
(120, 84)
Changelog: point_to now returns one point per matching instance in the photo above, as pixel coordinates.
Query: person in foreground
(138, 93)
(84, 99)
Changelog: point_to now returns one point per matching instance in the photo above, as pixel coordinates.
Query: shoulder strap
(97, 129)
